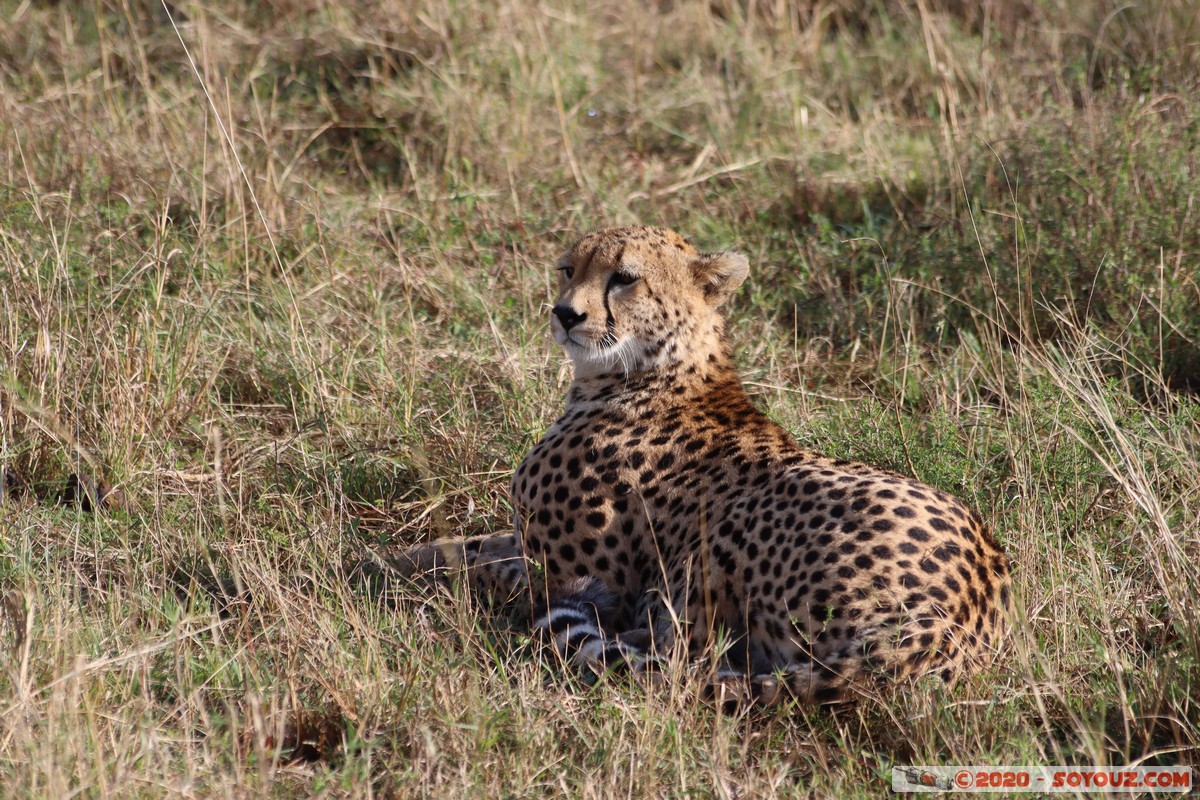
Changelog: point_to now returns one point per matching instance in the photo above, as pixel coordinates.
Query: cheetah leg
(493, 565)
(802, 683)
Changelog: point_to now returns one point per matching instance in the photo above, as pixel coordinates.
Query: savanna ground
(278, 274)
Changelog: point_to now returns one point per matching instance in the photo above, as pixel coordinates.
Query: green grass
(291, 304)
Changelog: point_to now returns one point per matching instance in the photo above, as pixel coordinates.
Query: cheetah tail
(572, 622)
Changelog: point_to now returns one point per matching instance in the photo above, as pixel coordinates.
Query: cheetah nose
(568, 316)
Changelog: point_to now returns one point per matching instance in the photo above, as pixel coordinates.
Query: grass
(279, 275)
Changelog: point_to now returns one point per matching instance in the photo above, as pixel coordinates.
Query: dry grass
(278, 274)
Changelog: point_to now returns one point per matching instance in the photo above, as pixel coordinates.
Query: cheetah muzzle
(669, 515)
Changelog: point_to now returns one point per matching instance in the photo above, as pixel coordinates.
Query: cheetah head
(638, 299)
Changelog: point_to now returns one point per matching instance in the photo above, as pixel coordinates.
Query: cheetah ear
(719, 274)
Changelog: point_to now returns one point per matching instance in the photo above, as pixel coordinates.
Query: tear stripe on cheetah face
(622, 284)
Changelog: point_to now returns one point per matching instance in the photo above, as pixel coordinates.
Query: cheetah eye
(568, 271)
(624, 278)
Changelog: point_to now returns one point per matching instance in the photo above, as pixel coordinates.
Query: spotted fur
(667, 513)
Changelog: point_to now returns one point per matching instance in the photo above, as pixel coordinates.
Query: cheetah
(664, 513)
